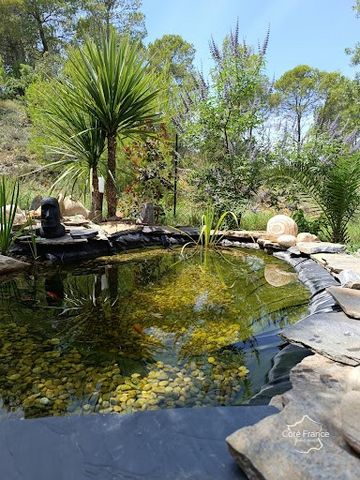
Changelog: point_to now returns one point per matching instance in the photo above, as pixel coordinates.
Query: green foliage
(308, 224)
(111, 84)
(174, 54)
(335, 189)
(100, 16)
(355, 51)
(219, 126)
(9, 195)
(255, 220)
(210, 229)
(341, 102)
(298, 92)
(32, 28)
(171, 58)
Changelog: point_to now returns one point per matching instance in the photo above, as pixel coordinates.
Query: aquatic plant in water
(210, 229)
(7, 213)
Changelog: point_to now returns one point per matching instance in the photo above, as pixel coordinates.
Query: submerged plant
(7, 214)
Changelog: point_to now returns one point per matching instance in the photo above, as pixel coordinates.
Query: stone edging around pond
(325, 393)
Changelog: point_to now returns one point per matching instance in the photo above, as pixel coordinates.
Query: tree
(219, 122)
(174, 54)
(79, 140)
(335, 190)
(32, 28)
(113, 85)
(355, 52)
(100, 16)
(340, 102)
(298, 93)
(52, 20)
(17, 36)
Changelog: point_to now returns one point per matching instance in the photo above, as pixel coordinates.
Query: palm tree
(79, 140)
(112, 84)
(335, 189)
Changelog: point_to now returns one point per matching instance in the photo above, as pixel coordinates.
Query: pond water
(143, 330)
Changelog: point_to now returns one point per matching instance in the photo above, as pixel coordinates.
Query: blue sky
(313, 32)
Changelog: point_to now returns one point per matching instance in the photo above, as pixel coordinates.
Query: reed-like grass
(9, 196)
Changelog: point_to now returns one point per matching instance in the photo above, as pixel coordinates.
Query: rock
(311, 406)
(281, 225)
(294, 252)
(350, 417)
(20, 216)
(9, 265)
(333, 335)
(348, 299)
(306, 237)
(349, 279)
(336, 263)
(70, 207)
(36, 202)
(277, 277)
(286, 240)
(269, 245)
(309, 248)
(147, 214)
(44, 401)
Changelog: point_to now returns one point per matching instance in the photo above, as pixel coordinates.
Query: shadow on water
(143, 331)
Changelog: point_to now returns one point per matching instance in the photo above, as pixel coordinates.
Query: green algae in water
(144, 330)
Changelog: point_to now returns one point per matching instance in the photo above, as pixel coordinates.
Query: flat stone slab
(77, 233)
(268, 451)
(333, 335)
(174, 444)
(310, 248)
(338, 263)
(348, 299)
(10, 265)
(249, 235)
(67, 239)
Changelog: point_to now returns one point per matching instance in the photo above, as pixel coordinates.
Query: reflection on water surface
(146, 331)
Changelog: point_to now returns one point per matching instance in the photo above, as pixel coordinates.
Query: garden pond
(143, 330)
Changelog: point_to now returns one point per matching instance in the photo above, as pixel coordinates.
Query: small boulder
(349, 279)
(20, 216)
(307, 237)
(10, 265)
(281, 225)
(286, 240)
(70, 207)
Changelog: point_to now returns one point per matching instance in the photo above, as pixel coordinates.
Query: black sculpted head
(50, 219)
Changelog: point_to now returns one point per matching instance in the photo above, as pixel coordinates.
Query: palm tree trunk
(96, 206)
(111, 193)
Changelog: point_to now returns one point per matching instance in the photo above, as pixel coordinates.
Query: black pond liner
(317, 280)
